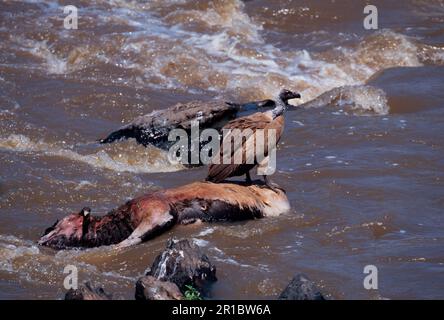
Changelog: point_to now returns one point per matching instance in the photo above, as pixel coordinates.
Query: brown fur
(145, 217)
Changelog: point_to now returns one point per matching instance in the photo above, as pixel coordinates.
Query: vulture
(272, 119)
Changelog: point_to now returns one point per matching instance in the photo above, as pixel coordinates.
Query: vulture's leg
(263, 169)
(248, 177)
(270, 184)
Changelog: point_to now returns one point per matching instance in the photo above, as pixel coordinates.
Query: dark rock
(87, 292)
(183, 263)
(301, 288)
(150, 288)
(154, 128)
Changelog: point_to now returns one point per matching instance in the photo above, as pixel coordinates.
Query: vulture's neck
(279, 109)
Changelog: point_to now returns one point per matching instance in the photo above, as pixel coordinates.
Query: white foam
(206, 232)
(51, 62)
(233, 262)
(12, 248)
(25, 259)
(226, 52)
(84, 183)
(101, 159)
(200, 242)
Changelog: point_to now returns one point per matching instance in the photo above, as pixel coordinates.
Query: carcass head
(68, 232)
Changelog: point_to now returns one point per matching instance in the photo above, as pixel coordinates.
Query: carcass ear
(85, 212)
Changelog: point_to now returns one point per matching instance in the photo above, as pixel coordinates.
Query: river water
(363, 166)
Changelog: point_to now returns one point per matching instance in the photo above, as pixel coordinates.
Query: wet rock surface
(150, 288)
(181, 266)
(87, 292)
(301, 288)
(154, 128)
(183, 263)
(357, 100)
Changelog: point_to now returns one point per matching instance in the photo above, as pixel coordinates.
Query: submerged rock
(301, 288)
(87, 292)
(357, 100)
(150, 288)
(154, 128)
(183, 263)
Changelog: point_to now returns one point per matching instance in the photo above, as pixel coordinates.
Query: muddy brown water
(364, 174)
